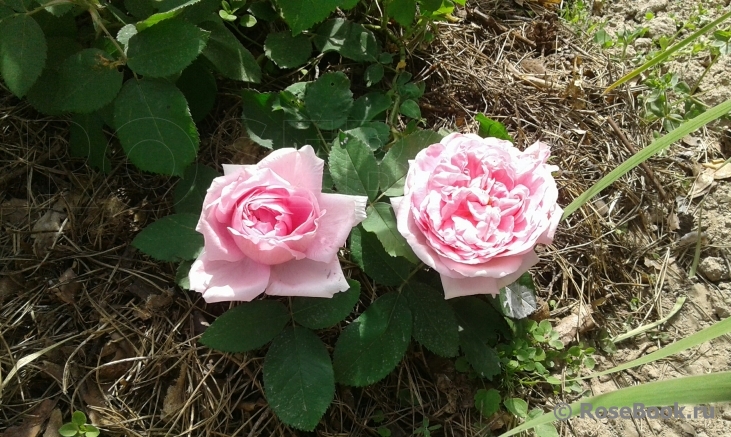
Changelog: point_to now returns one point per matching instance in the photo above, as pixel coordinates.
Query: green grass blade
(716, 330)
(641, 156)
(714, 387)
(661, 57)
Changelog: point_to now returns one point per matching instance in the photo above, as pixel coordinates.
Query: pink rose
(268, 227)
(473, 209)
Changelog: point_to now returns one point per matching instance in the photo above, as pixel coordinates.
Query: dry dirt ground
(123, 338)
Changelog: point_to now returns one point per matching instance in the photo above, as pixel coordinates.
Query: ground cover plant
(350, 79)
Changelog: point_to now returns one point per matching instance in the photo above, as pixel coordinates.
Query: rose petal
(341, 214)
(307, 278)
(408, 228)
(225, 281)
(301, 168)
(529, 260)
(265, 250)
(469, 286)
(229, 169)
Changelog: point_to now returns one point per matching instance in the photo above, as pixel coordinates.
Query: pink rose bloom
(473, 209)
(268, 227)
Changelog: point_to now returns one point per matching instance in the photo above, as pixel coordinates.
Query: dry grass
(127, 349)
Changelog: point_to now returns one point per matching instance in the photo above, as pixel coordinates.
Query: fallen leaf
(724, 172)
(67, 286)
(33, 421)
(575, 323)
(46, 229)
(702, 183)
(11, 285)
(175, 397)
(55, 421)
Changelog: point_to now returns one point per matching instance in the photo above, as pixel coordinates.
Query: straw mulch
(123, 337)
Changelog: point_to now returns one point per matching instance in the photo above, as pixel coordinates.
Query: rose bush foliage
(474, 209)
(269, 228)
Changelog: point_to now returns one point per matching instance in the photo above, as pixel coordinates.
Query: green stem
(698, 82)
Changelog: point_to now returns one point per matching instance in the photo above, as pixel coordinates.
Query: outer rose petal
(341, 214)
(307, 278)
(226, 281)
(547, 237)
(301, 168)
(469, 286)
(408, 228)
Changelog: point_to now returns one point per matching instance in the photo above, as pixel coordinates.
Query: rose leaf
(353, 167)
(155, 127)
(381, 221)
(165, 48)
(370, 348)
(395, 164)
(172, 238)
(435, 325)
(319, 313)
(246, 327)
(287, 51)
(298, 378)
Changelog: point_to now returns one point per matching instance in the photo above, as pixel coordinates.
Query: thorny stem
(98, 22)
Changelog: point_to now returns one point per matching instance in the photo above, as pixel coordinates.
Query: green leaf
(402, 11)
(287, 51)
(248, 21)
(518, 299)
(164, 14)
(350, 40)
(430, 5)
(155, 127)
(410, 108)
(90, 69)
(381, 221)
(78, 418)
(298, 378)
(435, 325)
(353, 167)
(140, 9)
(191, 189)
(367, 135)
(125, 33)
(395, 164)
(22, 52)
(321, 313)
(52, 25)
(199, 88)
(487, 402)
(369, 254)
(492, 128)
(228, 55)
(263, 10)
(301, 14)
(270, 128)
(246, 327)
(181, 274)
(367, 107)
(69, 430)
(171, 238)
(517, 406)
(373, 74)
(370, 348)
(328, 100)
(483, 358)
(165, 48)
(478, 318)
(87, 140)
(91, 431)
